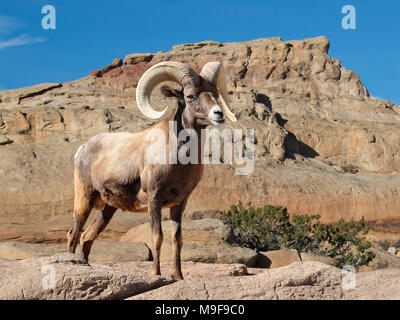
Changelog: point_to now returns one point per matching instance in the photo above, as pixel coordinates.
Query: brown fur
(111, 171)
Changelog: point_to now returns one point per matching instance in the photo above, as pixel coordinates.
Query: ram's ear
(169, 92)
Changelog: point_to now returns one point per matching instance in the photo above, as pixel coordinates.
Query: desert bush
(271, 228)
(349, 168)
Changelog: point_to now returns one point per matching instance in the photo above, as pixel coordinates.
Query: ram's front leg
(176, 235)
(154, 209)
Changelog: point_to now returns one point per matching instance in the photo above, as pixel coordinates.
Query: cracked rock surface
(74, 280)
(308, 280)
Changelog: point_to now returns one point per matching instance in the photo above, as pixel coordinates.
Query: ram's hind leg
(98, 224)
(82, 208)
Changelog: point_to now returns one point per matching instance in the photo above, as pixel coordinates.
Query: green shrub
(270, 228)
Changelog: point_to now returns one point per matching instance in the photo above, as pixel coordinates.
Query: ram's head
(204, 96)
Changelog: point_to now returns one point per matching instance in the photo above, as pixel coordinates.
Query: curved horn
(163, 71)
(214, 73)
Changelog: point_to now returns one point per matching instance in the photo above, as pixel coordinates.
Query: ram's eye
(191, 97)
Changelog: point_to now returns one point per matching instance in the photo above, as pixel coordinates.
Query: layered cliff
(323, 143)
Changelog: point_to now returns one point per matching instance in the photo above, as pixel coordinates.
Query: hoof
(155, 272)
(86, 259)
(177, 276)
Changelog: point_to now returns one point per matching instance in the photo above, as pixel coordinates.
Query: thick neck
(183, 124)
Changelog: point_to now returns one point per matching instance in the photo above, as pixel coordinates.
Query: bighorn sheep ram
(112, 170)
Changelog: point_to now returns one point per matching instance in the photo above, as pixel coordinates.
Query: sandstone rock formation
(299, 281)
(314, 121)
(284, 257)
(306, 256)
(277, 258)
(383, 284)
(74, 279)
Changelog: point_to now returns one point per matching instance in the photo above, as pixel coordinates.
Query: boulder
(137, 58)
(117, 62)
(306, 256)
(67, 277)
(205, 240)
(280, 258)
(119, 251)
(277, 258)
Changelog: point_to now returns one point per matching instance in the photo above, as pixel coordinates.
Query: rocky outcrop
(136, 58)
(31, 279)
(117, 62)
(66, 277)
(306, 256)
(383, 284)
(299, 281)
(277, 258)
(313, 120)
(205, 240)
(284, 257)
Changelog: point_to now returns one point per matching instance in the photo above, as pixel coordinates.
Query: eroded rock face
(277, 258)
(383, 284)
(312, 119)
(74, 279)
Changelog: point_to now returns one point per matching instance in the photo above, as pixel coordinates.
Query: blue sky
(90, 33)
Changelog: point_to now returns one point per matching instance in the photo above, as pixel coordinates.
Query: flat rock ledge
(32, 279)
(74, 279)
(67, 277)
(298, 281)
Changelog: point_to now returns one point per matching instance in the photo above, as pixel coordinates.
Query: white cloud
(23, 39)
(7, 24)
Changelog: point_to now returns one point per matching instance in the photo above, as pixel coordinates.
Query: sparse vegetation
(349, 168)
(270, 228)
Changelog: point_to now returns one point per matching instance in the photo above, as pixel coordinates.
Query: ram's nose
(217, 115)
